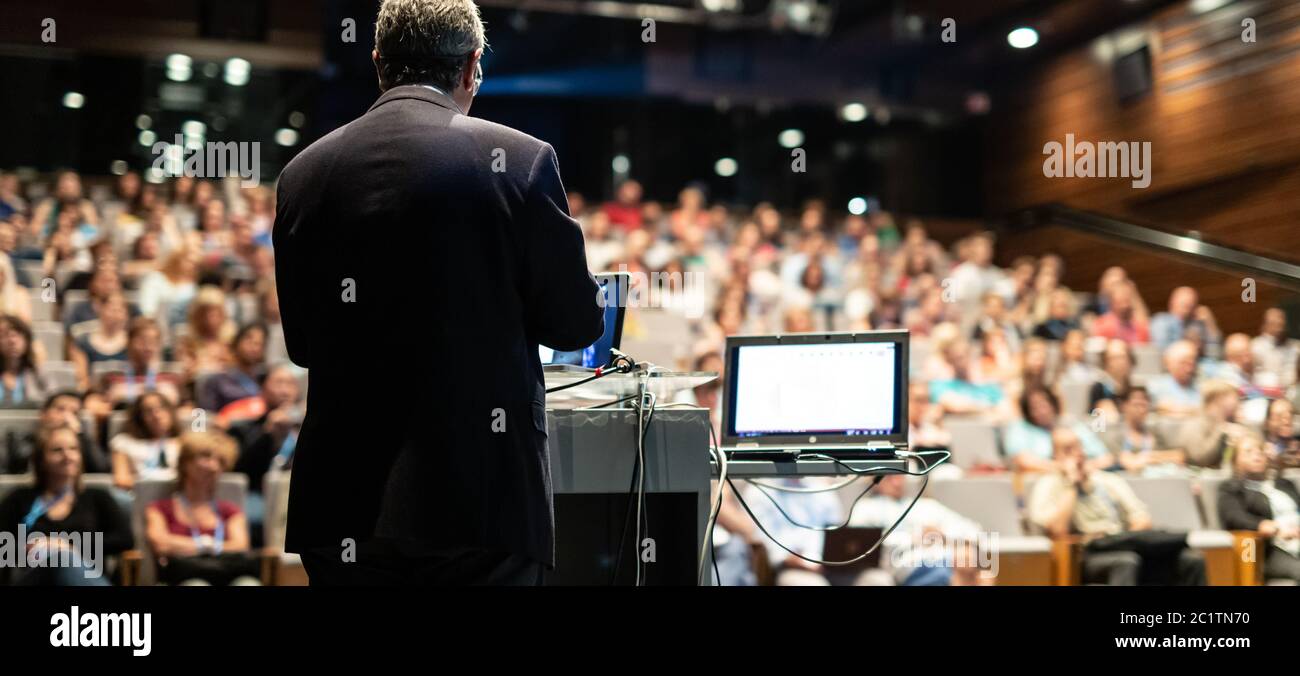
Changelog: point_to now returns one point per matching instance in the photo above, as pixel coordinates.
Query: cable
(797, 489)
(638, 470)
(847, 519)
(711, 524)
(643, 526)
(621, 363)
(927, 468)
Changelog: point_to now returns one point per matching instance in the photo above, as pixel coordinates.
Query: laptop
(842, 395)
(614, 290)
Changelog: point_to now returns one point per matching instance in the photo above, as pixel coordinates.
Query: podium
(593, 451)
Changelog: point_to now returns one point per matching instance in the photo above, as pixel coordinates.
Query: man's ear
(471, 67)
(374, 56)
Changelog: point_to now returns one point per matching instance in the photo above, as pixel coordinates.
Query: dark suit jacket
(1241, 508)
(454, 236)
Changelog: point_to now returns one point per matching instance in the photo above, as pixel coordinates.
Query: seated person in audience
(916, 550)
(1254, 500)
(57, 503)
(1185, 311)
(267, 441)
(61, 409)
(149, 446)
(817, 510)
(1177, 393)
(993, 315)
(924, 421)
(1139, 448)
(1115, 379)
(193, 533)
(1208, 436)
(143, 373)
(1073, 366)
(1119, 546)
(240, 379)
(21, 383)
(1126, 319)
(1060, 316)
(14, 298)
(1279, 434)
(1238, 368)
(205, 347)
(959, 395)
(1275, 352)
(104, 283)
(167, 292)
(106, 342)
(1028, 441)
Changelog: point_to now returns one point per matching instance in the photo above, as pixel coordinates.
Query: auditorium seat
(1074, 399)
(50, 336)
(991, 502)
(974, 442)
(41, 311)
(288, 570)
(1147, 360)
(71, 299)
(1173, 506)
(60, 375)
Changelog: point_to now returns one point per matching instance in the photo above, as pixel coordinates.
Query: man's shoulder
(313, 155)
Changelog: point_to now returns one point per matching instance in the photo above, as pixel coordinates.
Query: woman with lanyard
(149, 445)
(197, 538)
(56, 502)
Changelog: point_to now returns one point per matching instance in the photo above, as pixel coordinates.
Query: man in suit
(421, 257)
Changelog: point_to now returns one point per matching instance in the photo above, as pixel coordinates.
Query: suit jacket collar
(417, 92)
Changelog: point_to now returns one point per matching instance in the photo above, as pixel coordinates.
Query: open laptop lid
(614, 286)
(815, 389)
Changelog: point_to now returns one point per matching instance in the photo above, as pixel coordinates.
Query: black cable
(619, 364)
(925, 482)
(825, 529)
(632, 496)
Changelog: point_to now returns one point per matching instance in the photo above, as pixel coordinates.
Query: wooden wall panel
(1226, 149)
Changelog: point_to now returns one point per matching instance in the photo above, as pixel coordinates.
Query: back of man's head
(426, 41)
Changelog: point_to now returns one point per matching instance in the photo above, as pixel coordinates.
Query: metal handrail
(1213, 255)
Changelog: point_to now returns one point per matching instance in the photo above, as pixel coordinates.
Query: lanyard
(219, 534)
(159, 458)
(40, 507)
(285, 454)
(18, 390)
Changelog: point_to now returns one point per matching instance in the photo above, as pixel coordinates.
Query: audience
(172, 271)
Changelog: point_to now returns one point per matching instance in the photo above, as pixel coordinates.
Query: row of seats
(1178, 504)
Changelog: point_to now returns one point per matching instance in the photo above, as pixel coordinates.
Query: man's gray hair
(426, 41)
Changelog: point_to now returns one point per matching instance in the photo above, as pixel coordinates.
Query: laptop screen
(598, 353)
(834, 387)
